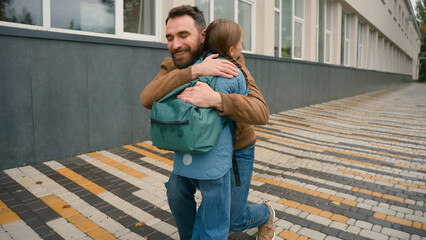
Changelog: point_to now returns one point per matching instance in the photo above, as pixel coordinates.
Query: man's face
(183, 40)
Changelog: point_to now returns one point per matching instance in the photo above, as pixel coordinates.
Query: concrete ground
(354, 168)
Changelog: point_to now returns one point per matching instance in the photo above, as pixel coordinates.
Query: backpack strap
(234, 157)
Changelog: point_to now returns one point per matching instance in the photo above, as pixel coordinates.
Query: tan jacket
(246, 110)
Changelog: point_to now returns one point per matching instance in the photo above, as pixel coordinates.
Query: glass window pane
(321, 30)
(286, 30)
(329, 14)
(348, 24)
(244, 19)
(139, 16)
(204, 5)
(224, 9)
(298, 39)
(347, 53)
(342, 41)
(277, 3)
(84, 15)
(299, 8)
(276, 34)
(21, 11)
(360, 42)
(327, 48)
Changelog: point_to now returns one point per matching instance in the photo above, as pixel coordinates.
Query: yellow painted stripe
(383, 179)
(396, 118)
(152, 147)
(306, 191)
(401, 133)
(410, 167)
(328, 196)
(265, 130)
(77, 219)
(149, 154)
(319, 148)
(378, 194)
(332, 131)
(398, 220)
(313, 210)
(350, 121)
(6, 214)
(289, 235)
(281, 128)
(117, 165)
(82, 181)
(395, 155)
(399, 149)
(357, 162)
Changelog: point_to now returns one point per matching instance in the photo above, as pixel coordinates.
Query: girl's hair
(221, 35)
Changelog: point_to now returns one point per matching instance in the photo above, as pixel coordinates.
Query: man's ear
(203, 35)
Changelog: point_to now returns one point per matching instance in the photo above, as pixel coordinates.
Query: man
(185, 27)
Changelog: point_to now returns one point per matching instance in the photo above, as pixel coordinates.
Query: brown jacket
(246, 110)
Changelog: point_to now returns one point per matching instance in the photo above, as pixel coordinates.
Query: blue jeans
(212, 219)
(245, 216)
(181, 190)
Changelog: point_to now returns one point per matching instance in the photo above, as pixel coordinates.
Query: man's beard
(193, 56)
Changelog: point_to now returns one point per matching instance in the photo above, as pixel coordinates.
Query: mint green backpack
(180, 126)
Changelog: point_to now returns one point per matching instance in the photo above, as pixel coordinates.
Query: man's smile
(180, 53)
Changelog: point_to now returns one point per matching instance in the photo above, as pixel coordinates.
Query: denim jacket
(215, 163)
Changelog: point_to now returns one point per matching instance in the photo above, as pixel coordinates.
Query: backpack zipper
(173, 123)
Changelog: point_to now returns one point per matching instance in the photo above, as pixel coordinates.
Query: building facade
(380, 35)
(71, 72)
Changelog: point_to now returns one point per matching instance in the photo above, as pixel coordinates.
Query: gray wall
(63, 95)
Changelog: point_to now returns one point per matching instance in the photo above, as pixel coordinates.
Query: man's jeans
(212, 219)
(181, 190)
(245, 216)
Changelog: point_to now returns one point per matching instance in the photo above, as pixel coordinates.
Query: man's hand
(214, 67)
(202, 95)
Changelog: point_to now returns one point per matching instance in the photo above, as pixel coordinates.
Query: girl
(209, 172)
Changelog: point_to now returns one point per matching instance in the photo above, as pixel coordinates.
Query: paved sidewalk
(348, 169)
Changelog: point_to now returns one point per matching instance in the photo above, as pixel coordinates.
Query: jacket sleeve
(168, 79)
(250, 108)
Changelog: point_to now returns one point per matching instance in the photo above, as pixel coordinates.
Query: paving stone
(318, 219)
(68, 231)
(354, 230)
(24, 232)
(311, 234)
(364, 225)
(373, 235)
(377, 228)
(339, 225)
(395, 233)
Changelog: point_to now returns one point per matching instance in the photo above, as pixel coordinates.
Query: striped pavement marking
(353, 168)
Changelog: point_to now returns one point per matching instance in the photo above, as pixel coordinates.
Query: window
(345, 44)
(370, 49)
(245, 20)
(286, 29)
(360, 44)
(84, 15)
(277, 27)
(379, 53)
(324, 30)
(289, 18)
(22, 11)
(240, 11)
(135, 19)
(139, 16)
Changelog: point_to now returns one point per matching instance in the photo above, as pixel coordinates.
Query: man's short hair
(191, 11)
